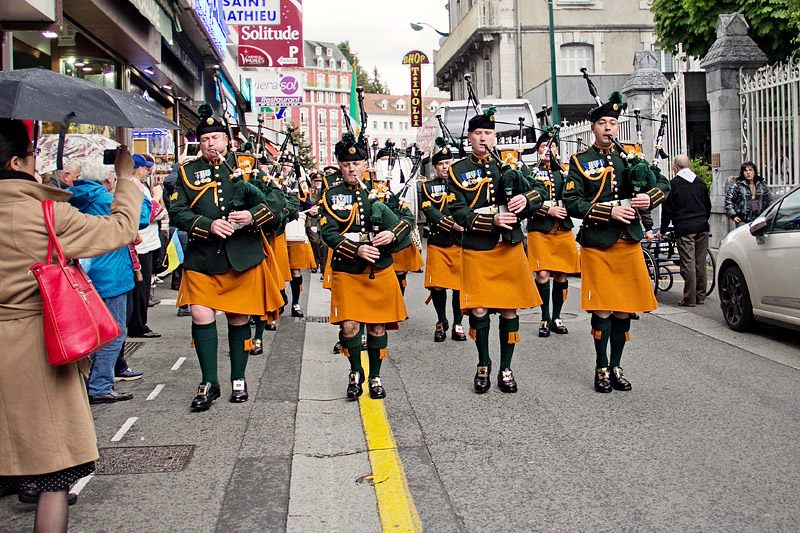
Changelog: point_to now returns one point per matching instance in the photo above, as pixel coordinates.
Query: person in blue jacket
(111, 274)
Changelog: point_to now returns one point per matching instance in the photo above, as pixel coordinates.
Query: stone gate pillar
(641, 87)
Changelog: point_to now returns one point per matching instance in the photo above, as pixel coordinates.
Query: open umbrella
(77, 147)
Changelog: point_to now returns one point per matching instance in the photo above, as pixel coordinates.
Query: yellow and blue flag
(174, 256)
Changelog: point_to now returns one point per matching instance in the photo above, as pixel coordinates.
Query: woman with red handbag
(46, 425)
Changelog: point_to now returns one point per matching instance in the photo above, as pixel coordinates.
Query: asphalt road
(706, 440)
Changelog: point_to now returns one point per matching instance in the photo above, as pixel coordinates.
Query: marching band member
(605, 190)
(362, 236)
(495, 277)
(551, 244)
(443, 268)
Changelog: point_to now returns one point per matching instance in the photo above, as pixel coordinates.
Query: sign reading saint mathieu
(415, 60)
(270, 31)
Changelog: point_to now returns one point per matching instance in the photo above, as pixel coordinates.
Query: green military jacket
(477, 186)
(434, 199)
(349, 219)
(203, 194)
(597, 181)
(548, 181)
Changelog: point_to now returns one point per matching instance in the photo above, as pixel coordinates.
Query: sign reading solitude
(415, 60)
(270, 31)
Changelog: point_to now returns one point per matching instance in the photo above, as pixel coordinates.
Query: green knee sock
(601, 328)
(376, 349)
(237, 337)
(544, 292)
(457, 308)
(619, 336)
(205, 344)
(479, 331)
(559, 297)
(351, 348)
(509, 336)
(439, 298)
(260, 325)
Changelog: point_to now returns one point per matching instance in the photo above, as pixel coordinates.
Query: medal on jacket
(594, 167)
(469, 179)
(438, 190)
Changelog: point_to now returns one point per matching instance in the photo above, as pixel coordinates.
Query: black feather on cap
(484, 121)
(348, 149)
(208, 124)
(444, 151)
(612, 108)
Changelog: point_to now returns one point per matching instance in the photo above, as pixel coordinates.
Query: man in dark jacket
(688, 207)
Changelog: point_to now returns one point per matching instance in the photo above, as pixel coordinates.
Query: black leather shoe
(482, 380)
(239, 391)
(602, 379)
(31, 495)
(506, 381)
(557, 326)
(376, 390)
(257, 347)
(128, 375)
(355, 384)
(271, 326)
(337, 348)
(206, 393)
(618, 380)
(458, 333)
(112, 397)
(146, 335)
(544, 328)
(296, 311)
(440, 334)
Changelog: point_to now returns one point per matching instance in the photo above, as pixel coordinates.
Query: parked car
(758, 270)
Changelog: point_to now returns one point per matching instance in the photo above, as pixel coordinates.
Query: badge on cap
(616, 107)
(209, 121)
(351, 150)
(445, 151)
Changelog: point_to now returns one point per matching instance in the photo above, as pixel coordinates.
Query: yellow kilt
(443, 268)
(497, 279)
(252, 292)
(327, 278)
(282, 255)
(370, 301)
(408, 259)
(554, 251)
(301, 256)
(615, 278)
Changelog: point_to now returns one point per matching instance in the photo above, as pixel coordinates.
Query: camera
(109, 156)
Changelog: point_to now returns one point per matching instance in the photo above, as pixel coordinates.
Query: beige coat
(45, 421)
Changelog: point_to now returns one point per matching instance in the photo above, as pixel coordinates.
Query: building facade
(390, 118)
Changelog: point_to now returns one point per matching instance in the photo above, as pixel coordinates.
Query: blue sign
(211, 16)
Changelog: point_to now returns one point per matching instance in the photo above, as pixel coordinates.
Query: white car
(758, 268)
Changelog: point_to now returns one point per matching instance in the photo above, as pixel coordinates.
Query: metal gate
(672, 103)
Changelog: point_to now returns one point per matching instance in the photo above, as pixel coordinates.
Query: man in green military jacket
(443, 262)
(489, 201)
(224, 267)
(362, 236)
(606, 189)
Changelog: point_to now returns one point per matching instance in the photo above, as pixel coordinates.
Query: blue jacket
(111, 273)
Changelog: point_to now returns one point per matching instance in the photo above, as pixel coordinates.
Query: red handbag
(76, 321)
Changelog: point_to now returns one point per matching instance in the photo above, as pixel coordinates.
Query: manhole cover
(131, 347)
(319, 319)
(143, 459)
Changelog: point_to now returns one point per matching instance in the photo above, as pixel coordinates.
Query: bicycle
(663, 263)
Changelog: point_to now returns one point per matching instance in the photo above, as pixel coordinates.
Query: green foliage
(703, 171)
(305, 152)
(773, 24)
(371, 85)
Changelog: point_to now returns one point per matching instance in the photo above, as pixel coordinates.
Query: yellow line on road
(395, 505)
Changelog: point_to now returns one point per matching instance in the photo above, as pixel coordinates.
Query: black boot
(602, 381)
(618, 380)
(206, 394)
(482, 380)
(506, 381)
(355, 384)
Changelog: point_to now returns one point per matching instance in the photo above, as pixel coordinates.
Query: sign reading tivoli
(415, 60)
(270, 31)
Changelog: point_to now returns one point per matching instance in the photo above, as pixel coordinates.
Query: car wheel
(735, 299)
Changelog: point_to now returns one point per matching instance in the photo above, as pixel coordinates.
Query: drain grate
(131, 346)
(143, 459)
(318, 319)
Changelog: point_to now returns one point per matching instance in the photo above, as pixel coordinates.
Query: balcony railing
(481, 15)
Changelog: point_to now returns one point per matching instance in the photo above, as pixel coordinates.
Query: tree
(773, 24)
(372, 85)
(304, 149)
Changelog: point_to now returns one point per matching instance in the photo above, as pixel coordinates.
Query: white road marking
(124, 429)
(178, 363)
(169, 301)
(155, 392)
(80, 484)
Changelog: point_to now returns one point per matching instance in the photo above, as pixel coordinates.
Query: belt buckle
(493, 210)
(364, 238)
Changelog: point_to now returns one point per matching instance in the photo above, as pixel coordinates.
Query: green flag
(354, 102)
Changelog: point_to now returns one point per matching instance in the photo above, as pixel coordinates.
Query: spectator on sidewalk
(61, 179)
(748, 196)
(688, 207)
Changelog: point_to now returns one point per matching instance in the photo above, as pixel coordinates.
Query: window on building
(332, 64)
(303, 116)
(334, 133)
(320, 80)
(391, 125)
(323, 155)
(331, 98)
(321, 117)
(318, 50)
(374, 124)
(344, 65)
(384, 104)
(304, 132)
(385, 125)
(320, 62)
(488, 75)
(401, 106)
(334, 117)
(322, 136)
(329, 52)
(320, 99)
(574, 56)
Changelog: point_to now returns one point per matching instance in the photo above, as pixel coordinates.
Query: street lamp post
(417, 26)
(553, 81)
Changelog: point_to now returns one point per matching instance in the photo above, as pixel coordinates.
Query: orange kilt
(282, 255)
(301, 256)
(369, 301)
(408, 259)
(615, 278)
(443, 268)
(554, 251)
(497, 279)
(252, 292)
(328, 275)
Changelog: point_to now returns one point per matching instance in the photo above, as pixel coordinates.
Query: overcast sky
(379, 32)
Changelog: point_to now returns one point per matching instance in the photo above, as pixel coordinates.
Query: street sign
(268, 39)
(415, 59)
(276, 88)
